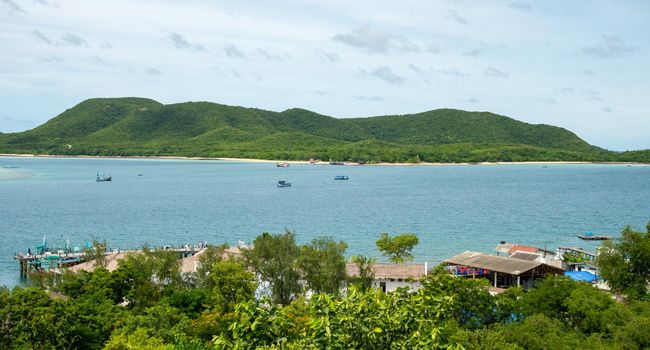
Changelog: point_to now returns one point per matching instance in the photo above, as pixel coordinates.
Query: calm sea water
(451, 208)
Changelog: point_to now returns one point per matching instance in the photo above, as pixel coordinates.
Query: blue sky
(582, 65)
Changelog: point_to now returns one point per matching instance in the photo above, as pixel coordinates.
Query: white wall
(393, 285)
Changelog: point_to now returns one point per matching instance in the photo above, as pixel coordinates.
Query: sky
(581, 65)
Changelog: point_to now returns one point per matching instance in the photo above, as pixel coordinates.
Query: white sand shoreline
(252, 160)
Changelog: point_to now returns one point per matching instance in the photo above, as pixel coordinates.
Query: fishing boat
(590, 236)
(283, 183)
(282, 165)
(103, 178)
(341, 177)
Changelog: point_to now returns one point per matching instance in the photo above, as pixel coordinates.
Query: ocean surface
(451, 208)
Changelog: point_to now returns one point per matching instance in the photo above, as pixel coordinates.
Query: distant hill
(139, 126)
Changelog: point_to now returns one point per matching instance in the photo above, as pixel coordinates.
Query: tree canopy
(322, 265)
(275, 258)
(625, 263)
(132, 308)
(398, 248)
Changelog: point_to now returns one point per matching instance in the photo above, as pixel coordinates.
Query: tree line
(147, 303)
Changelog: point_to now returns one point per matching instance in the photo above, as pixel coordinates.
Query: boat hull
(594, 238)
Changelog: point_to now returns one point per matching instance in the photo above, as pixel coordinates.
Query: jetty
(44, 259)
(588, 256)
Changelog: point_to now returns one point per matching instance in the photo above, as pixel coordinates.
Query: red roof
(522, 248)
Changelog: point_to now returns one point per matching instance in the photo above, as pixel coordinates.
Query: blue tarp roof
(582, 276)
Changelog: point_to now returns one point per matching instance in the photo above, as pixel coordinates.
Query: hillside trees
(142, 127)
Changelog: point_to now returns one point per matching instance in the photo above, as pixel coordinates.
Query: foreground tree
(625, 263)
(363, 281)
(274, 257)
(323, 265)
(232, 284)
(398, 248)
(207, 260)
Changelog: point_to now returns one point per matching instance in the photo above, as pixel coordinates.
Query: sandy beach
(318, 162)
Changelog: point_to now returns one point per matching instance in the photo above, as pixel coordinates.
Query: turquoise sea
(451, 208)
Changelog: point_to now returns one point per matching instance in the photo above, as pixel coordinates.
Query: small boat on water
(282, 165)
(590, 236)
(103, 178)
(341, 177)
(283, 183)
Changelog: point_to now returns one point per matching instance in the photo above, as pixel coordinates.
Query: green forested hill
(138, 126)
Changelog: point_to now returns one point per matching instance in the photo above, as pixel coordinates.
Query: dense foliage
(625, 263)
(143, 127)
(146, 303)
(398, 248)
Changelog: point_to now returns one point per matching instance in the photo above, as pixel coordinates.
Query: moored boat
(103, 178)
(283, 183)
(590, 236)
(282, 164)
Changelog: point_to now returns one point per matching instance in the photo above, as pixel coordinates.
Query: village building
(530, 253)
(390, 277)
(501, 271)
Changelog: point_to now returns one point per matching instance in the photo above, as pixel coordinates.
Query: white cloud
(233, 51)
(72, 40)
(493, 72)
(612, 47)
(42, 37)
(521, 6)
(337, 58)
(181, 43)
(386, 74)
(375, 40)
(12, 6)
(326, 56)
(457, 17)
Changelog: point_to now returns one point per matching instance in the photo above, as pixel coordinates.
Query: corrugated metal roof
(525, 256)
(492, 262)
(390, 271)
(111, 262)
(191, 263)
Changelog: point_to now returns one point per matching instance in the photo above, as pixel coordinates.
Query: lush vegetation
(625, 263)
(143, 127)
(398, 248)
(147, 303)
